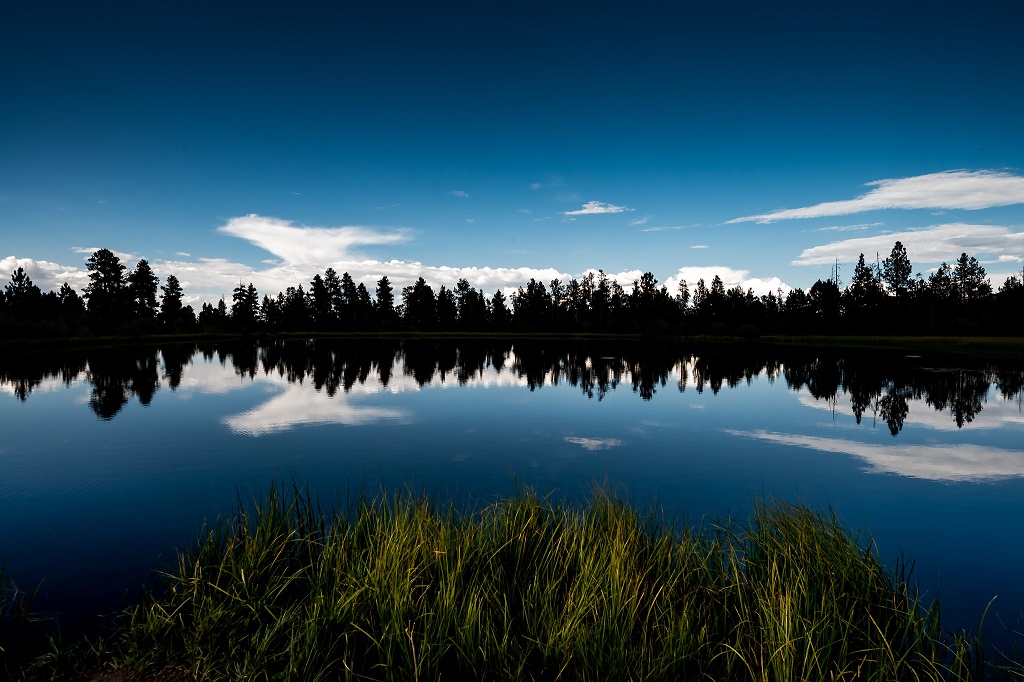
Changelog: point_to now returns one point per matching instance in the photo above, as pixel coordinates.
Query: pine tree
(170, 302)
(109, 302)
(386, 315)
(970, 283)
(896, 270)
(21, 295)
(142, 286)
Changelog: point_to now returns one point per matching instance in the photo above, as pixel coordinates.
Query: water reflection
(892, 390)
(965, 463)
(21, 376)
(116, 376)
(594, 444)
(701, 427)
(296, 406)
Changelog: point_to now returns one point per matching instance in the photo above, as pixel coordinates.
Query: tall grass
(530, 589)
(21, 635)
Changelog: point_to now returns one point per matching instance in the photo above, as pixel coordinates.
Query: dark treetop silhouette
(880, 299)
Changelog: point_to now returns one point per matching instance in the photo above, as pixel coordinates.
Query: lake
(112, 459)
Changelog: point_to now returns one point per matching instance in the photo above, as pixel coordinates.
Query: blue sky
(498, 141)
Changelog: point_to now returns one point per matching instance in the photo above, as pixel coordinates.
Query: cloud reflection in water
(594, 444)
(302, 405)
(964, 463)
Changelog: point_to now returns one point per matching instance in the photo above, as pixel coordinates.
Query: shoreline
(981, 347)
(520, 588)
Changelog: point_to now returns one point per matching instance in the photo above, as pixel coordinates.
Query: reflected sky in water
(113, 459)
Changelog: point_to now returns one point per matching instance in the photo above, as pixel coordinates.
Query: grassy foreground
(528, 589)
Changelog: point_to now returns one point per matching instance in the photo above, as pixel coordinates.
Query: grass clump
(530, 589)
(22, 630)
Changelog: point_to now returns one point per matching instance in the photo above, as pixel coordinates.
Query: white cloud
(210, 278)
(961, 462)
(699, 246)
(666, 228)
(959, 189)
(640, 221)
(624, 279)
(594, 444)
(307, 245)
(459, 193)
(848, 228)
(183, 254)
(595, 207)
(45, 274)
(925, 245)
(206, 280)
(730, 278)
(125, 257)
(303, 252)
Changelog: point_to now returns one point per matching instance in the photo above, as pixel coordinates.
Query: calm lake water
(111, 460)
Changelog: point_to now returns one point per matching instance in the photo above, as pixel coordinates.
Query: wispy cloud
(595, 207)
(927, 245)
(640, 221)
(699, 246)
(183, 254)
(552, 181)
(459, 193)
(666, 228)
(309, 245)
(959, 189)
(848, 228)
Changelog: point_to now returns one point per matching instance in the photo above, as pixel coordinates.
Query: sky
(497, 141)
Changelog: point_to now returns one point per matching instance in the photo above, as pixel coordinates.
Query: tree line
(883, 298)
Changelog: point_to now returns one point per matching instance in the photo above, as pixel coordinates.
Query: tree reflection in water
(884, 387)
